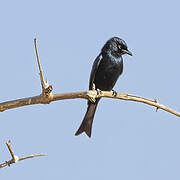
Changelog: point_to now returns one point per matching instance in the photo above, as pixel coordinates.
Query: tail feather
(86, 125)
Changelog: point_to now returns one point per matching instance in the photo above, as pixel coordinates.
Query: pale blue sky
(129, 140)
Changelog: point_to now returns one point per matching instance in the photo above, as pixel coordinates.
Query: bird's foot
(99, 92)
(114, 93)
(93, 87)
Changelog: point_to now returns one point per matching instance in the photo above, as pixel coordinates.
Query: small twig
(39, 65)
(46, 88)
(156, 101)
(8, 144)
(31, 156)
(15, 158)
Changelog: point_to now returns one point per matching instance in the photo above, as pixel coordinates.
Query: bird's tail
(86, 125)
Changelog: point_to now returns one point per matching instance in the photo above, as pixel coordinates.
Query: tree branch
(89, 95)
(15, 158)
(46, 96)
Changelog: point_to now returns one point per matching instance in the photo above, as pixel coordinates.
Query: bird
(106, 69)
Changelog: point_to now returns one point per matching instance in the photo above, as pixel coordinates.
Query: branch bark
(89, 95)
(15, 158)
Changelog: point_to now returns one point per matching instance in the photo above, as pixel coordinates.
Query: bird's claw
(114, 93)
(93, 87)
(99, 92)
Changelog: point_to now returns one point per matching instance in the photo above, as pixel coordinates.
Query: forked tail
(86, 125)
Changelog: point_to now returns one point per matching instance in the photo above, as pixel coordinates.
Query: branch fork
(15, 158)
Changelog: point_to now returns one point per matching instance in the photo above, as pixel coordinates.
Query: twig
(32, 156)
(46, 88)
(39, 65)
(15, 158)
(8, 144)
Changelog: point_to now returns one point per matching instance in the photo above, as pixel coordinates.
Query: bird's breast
(108, 72)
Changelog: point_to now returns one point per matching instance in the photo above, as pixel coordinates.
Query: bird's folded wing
(94, 70)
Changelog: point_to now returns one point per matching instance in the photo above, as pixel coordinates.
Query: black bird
(107, 67)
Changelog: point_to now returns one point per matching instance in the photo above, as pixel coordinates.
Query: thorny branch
(90, 95)
(15, 158)
(46, 96)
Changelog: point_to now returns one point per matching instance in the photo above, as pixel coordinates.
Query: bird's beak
(126, 52)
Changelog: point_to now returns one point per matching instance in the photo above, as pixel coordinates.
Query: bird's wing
(94, 70)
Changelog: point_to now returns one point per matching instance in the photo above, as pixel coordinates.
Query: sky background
(129, 140)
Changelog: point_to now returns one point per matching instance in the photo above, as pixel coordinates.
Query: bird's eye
(119, 46)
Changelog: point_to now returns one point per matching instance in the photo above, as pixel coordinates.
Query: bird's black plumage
(107, 67)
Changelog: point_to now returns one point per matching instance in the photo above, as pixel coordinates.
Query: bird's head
(117, 47)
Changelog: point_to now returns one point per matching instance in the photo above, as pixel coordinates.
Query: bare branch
(39, 65)
(31, 156)
(46, 88)
(8, 144)
(89, 95)
(15, 158)
(46, 96)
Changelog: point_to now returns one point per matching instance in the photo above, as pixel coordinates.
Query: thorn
(9, 142)
(39, 65)
(156, 101)
(7, 163)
